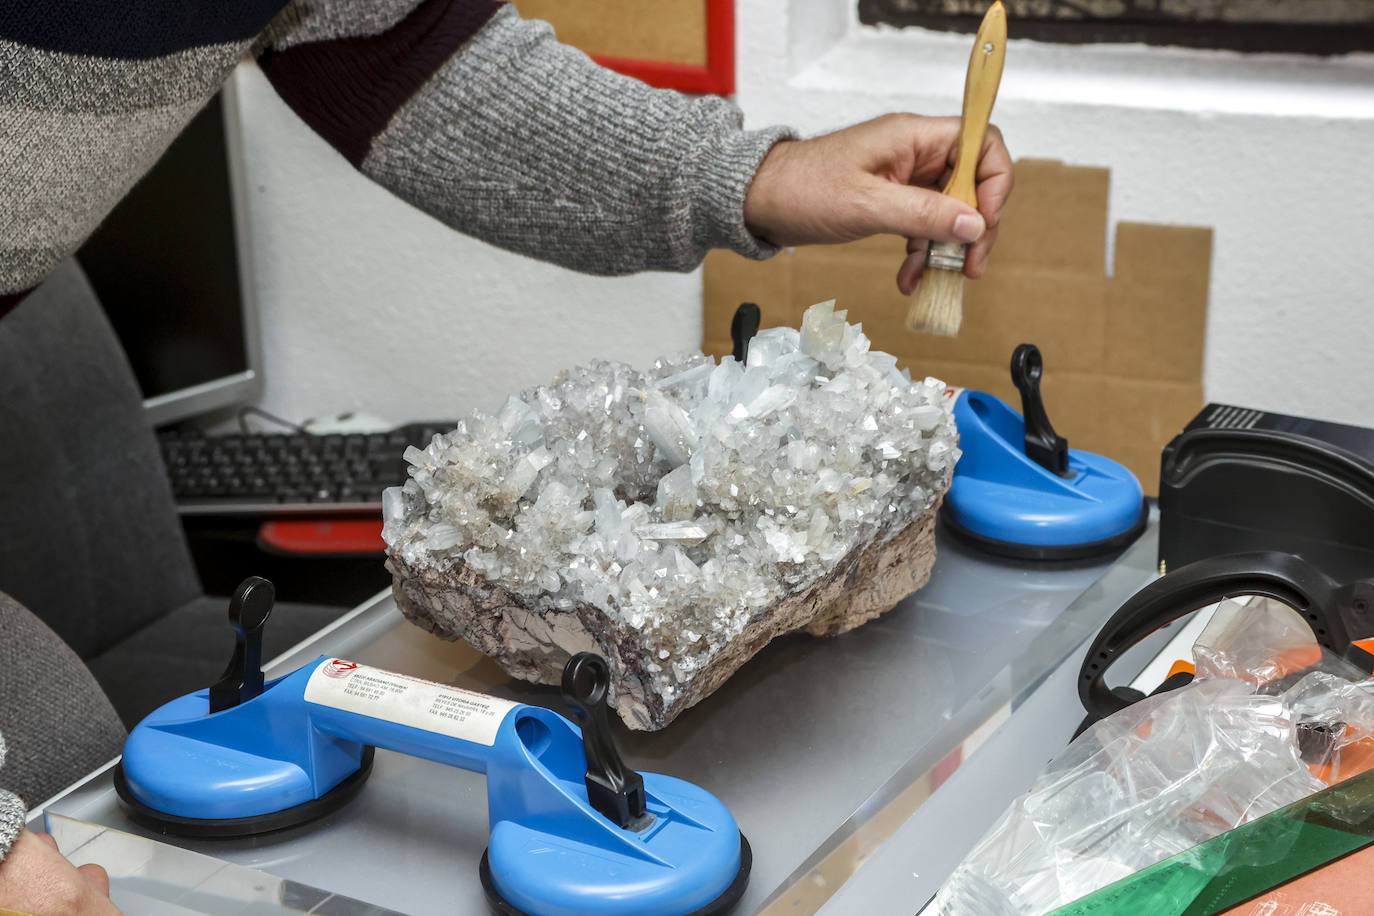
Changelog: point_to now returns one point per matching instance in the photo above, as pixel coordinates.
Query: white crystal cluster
(682, 499)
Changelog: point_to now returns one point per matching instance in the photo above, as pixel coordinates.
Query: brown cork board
(672, 31)
(1123, 355)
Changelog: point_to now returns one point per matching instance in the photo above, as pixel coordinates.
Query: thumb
(97, 877)
(920, 213)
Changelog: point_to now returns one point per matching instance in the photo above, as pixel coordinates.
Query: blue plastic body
(550, 852)
(1000, 494)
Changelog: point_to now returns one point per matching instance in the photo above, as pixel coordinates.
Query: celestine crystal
(677, 519)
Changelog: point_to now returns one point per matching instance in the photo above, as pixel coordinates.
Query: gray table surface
(1040, 713)
(828, 751)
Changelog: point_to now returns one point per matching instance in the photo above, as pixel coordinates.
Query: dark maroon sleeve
(348, 88)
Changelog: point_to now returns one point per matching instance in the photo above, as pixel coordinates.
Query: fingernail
(968, 227)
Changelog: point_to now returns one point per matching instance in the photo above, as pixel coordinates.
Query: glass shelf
(823, 748)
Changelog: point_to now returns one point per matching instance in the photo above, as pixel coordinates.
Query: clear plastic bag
(1269, 720)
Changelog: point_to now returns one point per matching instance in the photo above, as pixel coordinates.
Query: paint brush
(939, 305)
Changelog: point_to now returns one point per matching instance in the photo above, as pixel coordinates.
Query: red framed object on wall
(688, 45)
(717, 77)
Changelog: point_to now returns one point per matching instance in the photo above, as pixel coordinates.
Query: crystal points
(663, 515)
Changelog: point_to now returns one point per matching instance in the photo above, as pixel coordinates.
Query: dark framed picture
(1302, 26)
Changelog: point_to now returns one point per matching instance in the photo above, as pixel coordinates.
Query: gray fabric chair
(57, 723)
(90, 541)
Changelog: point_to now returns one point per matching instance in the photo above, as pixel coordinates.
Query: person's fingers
(928, 145)
(918, 213)
(994, 157)
(992, 195)
(995, 176)
(37, 878)
(98, 877)
(978, 253)
(909, 274)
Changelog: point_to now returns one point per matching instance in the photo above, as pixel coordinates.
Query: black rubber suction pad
(723, 904)
(225, 828)
(1048, 552)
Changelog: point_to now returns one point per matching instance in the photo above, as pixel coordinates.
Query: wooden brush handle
(980, 91)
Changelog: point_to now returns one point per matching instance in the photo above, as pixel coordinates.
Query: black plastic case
(1240, 480)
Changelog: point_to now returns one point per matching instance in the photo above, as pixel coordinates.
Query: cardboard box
(1123, 354)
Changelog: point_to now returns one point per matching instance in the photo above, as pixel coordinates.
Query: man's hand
(36, 879)
(882, 176)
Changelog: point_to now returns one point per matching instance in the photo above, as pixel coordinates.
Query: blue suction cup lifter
(302, 744)
(672, 847)
(1020, 491)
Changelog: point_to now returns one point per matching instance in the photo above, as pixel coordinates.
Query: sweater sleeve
(483, 120)
(11, 813)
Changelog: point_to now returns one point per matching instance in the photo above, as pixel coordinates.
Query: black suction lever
(612, 788)
(743, 327)
(1044, 446)
(248, 612)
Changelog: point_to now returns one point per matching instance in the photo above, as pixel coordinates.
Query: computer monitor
(172, 267)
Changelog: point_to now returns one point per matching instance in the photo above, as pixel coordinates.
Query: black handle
(743, 327)
(249, 609)
(1043, 445)
(1270, 574)
(612, 788)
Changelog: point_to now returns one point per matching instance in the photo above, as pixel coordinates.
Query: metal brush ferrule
(947, 256)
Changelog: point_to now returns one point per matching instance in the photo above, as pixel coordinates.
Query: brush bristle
(939, 305)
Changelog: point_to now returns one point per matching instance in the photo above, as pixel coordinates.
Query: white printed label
(406, 700)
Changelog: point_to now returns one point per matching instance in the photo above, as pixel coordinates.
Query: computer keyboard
(288, 473)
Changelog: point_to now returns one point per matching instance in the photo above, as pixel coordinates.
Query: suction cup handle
(1043, 445)
(249, 609)
(743, 328)
(612, 788)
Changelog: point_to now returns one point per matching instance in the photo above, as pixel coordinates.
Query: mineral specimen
(677, 519)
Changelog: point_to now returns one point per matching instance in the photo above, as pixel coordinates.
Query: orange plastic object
(1351, 760)
(1181, 667)
(333, 537)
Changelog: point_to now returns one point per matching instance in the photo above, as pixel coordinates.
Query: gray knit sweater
(458, 106)
(11, 813)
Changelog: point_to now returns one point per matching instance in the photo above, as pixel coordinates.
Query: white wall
(370, 305)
